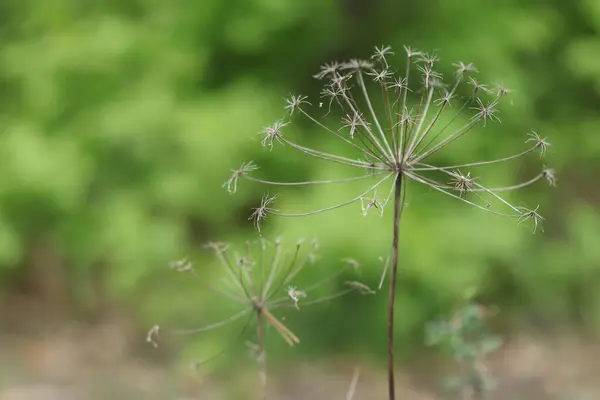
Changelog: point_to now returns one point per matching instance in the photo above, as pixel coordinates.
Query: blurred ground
(104, 361)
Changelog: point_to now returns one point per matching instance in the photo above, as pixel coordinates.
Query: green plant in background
(466, 337)
(259, 276)
(419, 115)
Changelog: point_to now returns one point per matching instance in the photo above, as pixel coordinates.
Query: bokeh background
(121, 120)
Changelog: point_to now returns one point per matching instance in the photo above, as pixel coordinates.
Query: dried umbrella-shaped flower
(259, 277)
(395, 144)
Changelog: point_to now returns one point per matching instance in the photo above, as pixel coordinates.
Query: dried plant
(419, 116)
(260, 277)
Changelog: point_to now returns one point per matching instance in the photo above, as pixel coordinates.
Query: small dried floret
(398, 84)
(328, 69)
(539, 143)
(486, 112)
(261, 213)
(550, 176)
(296, 295)
(428, 59)
(294, 102)
(528, 214)
(430, 77)
(462, 183)
(381, 53)
(410, 53)
(380, 76)
(355, 123)
(407, 118)
(462, 68)
(272, 133)
(244, 169)
(368, 204)
(478, 86)
(502, 90)
(358, 65)
(446, 99)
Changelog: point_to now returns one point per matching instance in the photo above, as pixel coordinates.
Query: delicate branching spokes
(439, 188)
(318, 182)
(327, 156)
(354, 200)
(283, 331)
(475, 164)
(275, 266)
(358, 123)
(440, 131)
(206, 328)
(389, 153)
(546, 173)
(261, 213)
(531, 215)
(295, 267)
(464, 183)
(446, 141)
(220, 250)
(349, 101)
(328, 279)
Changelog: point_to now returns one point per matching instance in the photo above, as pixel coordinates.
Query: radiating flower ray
(344, 204)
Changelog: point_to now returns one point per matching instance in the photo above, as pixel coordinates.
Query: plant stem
(392, 288)
(262, 368)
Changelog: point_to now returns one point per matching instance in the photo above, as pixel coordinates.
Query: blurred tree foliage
(122, 118)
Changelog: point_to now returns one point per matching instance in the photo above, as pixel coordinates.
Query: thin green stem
(260, 343)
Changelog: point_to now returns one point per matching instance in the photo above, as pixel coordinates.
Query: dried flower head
(394, 144)
(540, 144)
(260, 213)
(273, 133)
(244, 169)
(259, 276)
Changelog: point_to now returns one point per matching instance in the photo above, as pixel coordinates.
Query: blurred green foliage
(122, 119)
